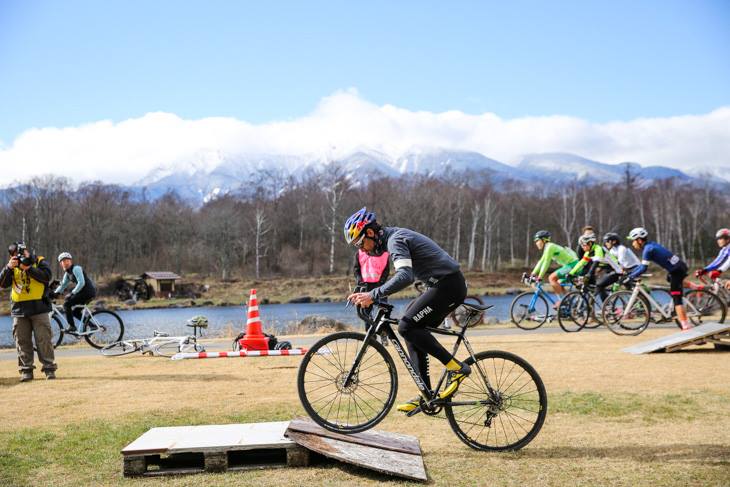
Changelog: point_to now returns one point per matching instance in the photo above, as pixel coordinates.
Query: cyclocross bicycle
(99, 327)
(530, 310)
(347, 383)
(161, 344)
(630, 312)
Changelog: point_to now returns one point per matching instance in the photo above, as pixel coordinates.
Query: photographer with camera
(29, 276)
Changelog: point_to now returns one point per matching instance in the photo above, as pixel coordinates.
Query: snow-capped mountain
(210, 174)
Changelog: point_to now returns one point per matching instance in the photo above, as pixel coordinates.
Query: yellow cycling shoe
(409, 406)
(455, 379)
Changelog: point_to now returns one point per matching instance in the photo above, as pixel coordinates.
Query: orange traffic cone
(254, 339)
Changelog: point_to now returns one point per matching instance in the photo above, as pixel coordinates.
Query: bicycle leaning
(161, 344)
(99, 327)
(347, 383)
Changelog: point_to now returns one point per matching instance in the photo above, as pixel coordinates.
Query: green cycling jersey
(553, 252)
(596, 251)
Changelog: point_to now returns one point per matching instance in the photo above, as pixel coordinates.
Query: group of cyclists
(415, 256)
(610, 262)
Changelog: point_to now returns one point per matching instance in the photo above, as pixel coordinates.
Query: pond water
(231, 319)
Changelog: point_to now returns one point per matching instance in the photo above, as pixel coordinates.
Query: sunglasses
(360, 241)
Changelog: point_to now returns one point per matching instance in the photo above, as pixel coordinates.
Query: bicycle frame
(60, 313)
(382, 324)
(664, 310)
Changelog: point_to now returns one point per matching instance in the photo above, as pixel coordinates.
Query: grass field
(614, 418)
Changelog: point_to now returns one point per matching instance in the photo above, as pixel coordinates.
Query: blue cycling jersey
(653, 252)
(721, 262)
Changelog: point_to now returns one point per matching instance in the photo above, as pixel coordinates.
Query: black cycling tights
(429, 310)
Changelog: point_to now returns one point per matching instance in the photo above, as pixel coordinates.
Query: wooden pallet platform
(212, 448)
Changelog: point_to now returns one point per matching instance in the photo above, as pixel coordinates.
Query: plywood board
(680, 339)
(400, 464)
(374, 438)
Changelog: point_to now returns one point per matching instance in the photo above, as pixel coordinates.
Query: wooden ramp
(388, 453)
(212, 448)
(717, 333)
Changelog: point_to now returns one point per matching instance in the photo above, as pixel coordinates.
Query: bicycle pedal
(414, 412)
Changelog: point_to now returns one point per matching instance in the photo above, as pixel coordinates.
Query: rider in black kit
(414, 256)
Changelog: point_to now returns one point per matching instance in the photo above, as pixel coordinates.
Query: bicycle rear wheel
(529, 310)
(365, 401)
(505, 416)
(110, 328)
(122, 347)
(623, 321)
(704, 307)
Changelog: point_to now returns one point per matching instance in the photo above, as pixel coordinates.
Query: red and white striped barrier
(240, 353)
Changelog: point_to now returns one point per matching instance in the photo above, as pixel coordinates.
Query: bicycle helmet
(542, 235)
(638, 232)
(612, 237)
(64, 255)
(723, 233)
(200, 321)
(356, 224)
(587, 238)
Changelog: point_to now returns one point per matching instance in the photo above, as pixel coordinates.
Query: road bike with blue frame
(532, 309)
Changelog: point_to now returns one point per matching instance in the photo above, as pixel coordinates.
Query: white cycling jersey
(620, 258)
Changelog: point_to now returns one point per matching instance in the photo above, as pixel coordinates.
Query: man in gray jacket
(29, 276)
(414, 256)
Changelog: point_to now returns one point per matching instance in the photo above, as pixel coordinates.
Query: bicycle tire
(612, 312)
(107, 333)
(168, 349)
(711, 306)
(597, 320)
(519, 320)
(473, 388)
(574, 312)
(56, 333)
(458, 316)
(122, 347)
(331, 367)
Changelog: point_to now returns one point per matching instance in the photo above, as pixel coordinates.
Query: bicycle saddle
(477, 306)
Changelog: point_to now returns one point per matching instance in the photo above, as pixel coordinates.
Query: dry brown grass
(684, 443)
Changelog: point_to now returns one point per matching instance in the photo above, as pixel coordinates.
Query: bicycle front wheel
(110, 328)
(624, 321)
(501, 406)
(529, 310)
(574, 312)
(123, 347)
(704, 307)
(354, 407)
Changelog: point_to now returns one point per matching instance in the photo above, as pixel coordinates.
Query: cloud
(125, 152)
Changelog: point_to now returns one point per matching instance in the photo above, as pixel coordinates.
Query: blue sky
(65, 63)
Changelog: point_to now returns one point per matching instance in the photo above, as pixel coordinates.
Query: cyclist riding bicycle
(414, 256)
(675, 267)
(563, 256)
(82, 293)
(722, 261)
(621, 260)
(593, 257)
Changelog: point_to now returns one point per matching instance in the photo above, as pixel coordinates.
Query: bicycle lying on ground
(630, 312)
(161, 344)
(347, 383)
(530, 309)
(98, 327)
